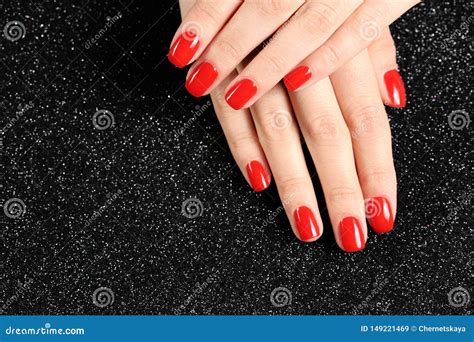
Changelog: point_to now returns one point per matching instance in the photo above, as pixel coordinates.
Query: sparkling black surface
(103, 207)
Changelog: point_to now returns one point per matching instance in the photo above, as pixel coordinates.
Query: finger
(241, 136)
(329, 143)
(279, 136)
(199, 26)
(313, 23)
(356, 90)
(236, 40)
(384, 61)
(356, 34)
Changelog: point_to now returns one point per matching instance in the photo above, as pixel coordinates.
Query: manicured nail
(379, 214)
(306, 224)
(240, 93)
(297, 77)
(257, 175)
(352, 237)
(395, 89)
(201, 79)
(183, 49)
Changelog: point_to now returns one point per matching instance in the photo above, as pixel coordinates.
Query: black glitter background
(103, 207)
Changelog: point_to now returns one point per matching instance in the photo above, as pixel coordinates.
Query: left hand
(313, 39)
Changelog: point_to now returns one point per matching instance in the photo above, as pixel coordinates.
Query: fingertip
(351, 235)
(259, 178)
(306, 224)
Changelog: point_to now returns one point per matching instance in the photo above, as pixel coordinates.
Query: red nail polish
(201, 79)
(306, 224)
(184, 49)
(395, 89)
(257, 175)
(240, 93)
(352, 237)
(379, 214)
(297, 77)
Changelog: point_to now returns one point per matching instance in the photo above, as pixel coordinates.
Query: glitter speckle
(104, 207)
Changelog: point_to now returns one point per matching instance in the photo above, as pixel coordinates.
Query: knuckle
(275, 64)
(377, 176)
(205, 13)
(292, 184)
(228, 50)
(319, 17)
(325, 130)
(384, 45)
(365, 121)
(341, 194)
(272, 7)
(330, 55)
(276, 127)
(241, 140)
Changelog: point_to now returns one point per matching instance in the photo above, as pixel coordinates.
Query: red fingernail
(306, 224)
(257, 175)
(240, 93)
(201, 79)
(352, 237)
(395, 89)
(379, 214)
(297, 77)
(184, 49)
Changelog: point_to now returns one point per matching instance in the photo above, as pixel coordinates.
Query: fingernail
(352, 237)
(297, 77)
(201, 79)
(379, 214)
(395, 89)
(306, 224)
(257, 175)
(240, 93)
(183, 49)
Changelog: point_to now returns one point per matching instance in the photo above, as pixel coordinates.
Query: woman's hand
(346, 130)
(313, 39)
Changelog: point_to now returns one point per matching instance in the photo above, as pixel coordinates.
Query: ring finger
(329, 143)
(279, 136)
(357, 92)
